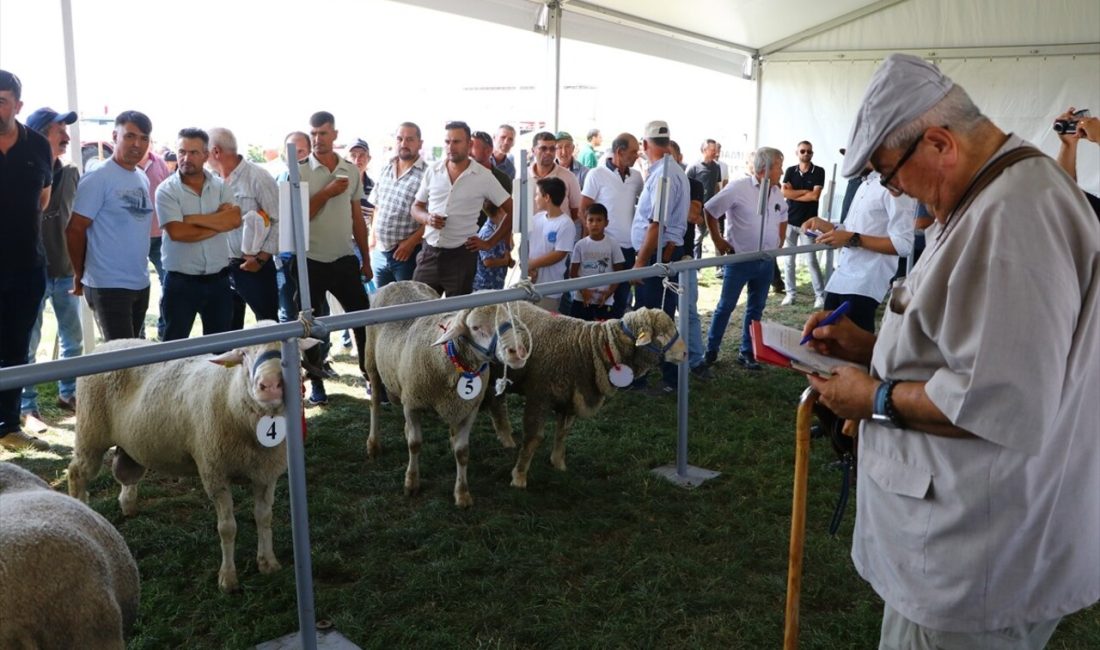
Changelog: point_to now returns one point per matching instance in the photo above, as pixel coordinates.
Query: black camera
(1069, 127)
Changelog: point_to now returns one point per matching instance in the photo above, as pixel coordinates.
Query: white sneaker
(788, 300)
(819, 303)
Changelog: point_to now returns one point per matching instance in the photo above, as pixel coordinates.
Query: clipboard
(777, 345)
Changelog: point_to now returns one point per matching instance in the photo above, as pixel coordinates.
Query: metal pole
(829, 217)
(687, 289)
(292, 394)
(87, 322)
(554, 33)
(762, 208)
(522, 184)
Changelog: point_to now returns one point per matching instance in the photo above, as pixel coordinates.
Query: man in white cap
(979, 462)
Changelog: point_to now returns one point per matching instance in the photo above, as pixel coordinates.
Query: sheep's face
(489, 329)
(263, 363)
(654, 329)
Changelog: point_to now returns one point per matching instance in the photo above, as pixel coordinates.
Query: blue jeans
(207, 296)
(758, 276)
(695, 327)
(652, 293)
(257, 289)
(622, 293)
(21, 293)
(387, 269)
(66, 307)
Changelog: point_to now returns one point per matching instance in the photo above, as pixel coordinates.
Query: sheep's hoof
(558, 463)
(412, 489)
(506, 440)
(464, 499)
(373, 448)
(228, 583)
(267, 566)
(519, 480)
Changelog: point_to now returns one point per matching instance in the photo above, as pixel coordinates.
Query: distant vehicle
(99, 150)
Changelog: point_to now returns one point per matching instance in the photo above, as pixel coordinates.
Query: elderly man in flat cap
(978, 516)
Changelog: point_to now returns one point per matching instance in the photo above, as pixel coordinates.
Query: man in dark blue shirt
(26, 175)
(802, 185)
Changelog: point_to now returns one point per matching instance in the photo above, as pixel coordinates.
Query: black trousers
(342, 279)
(862, 311)
(21, 293)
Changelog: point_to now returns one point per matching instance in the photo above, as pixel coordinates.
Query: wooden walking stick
(798, 516)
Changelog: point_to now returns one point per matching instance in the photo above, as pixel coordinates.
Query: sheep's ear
(454, 328)
(305, 344)
(229, 359)
(644, 337)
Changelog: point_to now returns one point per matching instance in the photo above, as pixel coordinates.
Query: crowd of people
(977, 487)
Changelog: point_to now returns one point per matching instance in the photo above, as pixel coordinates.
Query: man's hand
(404, 250)
(586, 296)
(639, 264)
(1088, 128)
(437, 221)
(850, 392)
(365, 270)
(723, 247)
(476, 243)
(251, 264)
(78, 285)
(337, 186)
(843, 339)
(533, 275)
(835, 238)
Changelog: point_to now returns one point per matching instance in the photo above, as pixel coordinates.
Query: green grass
(605, 555)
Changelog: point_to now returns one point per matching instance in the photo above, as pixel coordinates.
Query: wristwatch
(854, 241)
(883, 410)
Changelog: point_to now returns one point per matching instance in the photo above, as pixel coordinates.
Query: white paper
(286, 232)
(785, 340)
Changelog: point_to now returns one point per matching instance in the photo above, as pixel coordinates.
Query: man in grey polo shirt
(196, 211)
(335, 224)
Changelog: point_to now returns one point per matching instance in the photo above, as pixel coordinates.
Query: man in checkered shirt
(397, 234)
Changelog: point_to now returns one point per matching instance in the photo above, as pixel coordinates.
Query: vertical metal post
(687, 289)
(762, 207)
(554, 34)
(829, 217)
(292, 395)
(522, 210)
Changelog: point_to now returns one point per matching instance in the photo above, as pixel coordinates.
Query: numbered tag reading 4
(271, 431)
(469, 386)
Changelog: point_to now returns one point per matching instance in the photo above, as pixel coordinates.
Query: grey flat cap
(901, 90)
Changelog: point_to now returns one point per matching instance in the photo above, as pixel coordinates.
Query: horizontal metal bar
(941, 53)
(17, 376)
(637, 22)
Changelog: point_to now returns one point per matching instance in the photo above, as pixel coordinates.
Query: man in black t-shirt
(802, 185)
(26, 176)
(709, 175)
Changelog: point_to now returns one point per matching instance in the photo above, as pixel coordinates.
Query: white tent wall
(817, 100)
(812, 89)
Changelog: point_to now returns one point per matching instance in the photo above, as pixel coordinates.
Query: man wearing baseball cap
(59, 269)
(977, 518)
(566, 149)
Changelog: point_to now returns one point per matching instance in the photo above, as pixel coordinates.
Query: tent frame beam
(1007, 51)
(839, 21)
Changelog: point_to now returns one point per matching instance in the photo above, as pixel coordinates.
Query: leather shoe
(20, 440)
(747, 362)
(67, 403)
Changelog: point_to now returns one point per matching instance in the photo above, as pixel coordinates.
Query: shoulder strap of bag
(990, 173)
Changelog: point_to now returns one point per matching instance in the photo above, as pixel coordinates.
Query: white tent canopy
(1022, 61)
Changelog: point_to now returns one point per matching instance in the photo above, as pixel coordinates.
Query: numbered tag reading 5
(271, 431)
(469, 386)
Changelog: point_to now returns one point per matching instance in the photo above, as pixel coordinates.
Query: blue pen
(829, 320)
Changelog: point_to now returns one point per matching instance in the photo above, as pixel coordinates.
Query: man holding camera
(1071, 127)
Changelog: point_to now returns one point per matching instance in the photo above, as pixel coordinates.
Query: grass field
(605, 555)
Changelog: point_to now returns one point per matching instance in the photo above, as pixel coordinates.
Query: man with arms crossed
(977, 515)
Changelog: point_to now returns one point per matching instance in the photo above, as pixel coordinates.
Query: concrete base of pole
(327, 639)
(694, 477)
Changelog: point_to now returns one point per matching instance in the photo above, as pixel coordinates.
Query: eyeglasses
(809, 151)
(887, 179)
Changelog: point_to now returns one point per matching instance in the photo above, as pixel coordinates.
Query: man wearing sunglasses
(802, 185)
(977, 517)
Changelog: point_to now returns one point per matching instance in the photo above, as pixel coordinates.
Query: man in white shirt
(448, 204)
(617, 186)
(746, 234)
(251, 273)
(878, 230)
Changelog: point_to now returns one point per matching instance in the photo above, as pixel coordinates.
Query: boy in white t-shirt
(551, 236)
(597, 253)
